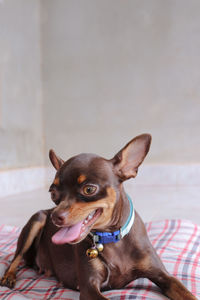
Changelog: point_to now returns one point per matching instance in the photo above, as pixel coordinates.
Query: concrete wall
(21, 127)
(110, 70)
(114, 69)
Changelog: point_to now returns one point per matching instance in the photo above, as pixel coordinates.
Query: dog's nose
(58, 218)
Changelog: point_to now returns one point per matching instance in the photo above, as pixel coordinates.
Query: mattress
(177, 242)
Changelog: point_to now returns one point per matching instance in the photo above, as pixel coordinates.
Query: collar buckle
(107, 237)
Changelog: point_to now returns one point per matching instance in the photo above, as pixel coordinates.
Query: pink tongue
(67, 234)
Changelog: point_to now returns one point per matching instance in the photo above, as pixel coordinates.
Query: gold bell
(99, 247)
(92, 252)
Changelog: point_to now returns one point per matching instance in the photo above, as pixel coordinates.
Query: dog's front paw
(8, 280)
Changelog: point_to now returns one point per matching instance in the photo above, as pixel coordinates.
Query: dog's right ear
(56, 161)
(128, 159)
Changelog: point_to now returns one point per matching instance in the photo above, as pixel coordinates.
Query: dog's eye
(55, 197)
(89, 190)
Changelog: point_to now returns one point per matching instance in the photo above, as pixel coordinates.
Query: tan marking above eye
(56, 181)
(81, 178)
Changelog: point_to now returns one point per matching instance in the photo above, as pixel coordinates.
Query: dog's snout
(58, 217)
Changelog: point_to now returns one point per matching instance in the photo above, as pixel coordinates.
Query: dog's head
(86, 189)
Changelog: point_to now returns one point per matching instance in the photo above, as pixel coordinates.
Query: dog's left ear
(127, 160)
(56, 161)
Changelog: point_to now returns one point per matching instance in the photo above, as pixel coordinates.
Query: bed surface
(177, 242)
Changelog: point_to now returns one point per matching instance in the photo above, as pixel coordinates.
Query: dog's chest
(120, 267)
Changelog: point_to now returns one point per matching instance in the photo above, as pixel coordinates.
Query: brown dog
(93, 239)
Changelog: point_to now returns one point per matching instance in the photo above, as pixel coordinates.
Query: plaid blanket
(177, 242)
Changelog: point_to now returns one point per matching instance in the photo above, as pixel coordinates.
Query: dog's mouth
(76, 233)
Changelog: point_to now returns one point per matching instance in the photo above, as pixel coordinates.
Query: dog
(93, 239)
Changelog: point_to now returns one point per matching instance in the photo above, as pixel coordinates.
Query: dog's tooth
(86, 221)
(92, 214)
(89, 217)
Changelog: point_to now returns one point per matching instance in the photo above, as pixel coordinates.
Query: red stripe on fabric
(10, 240)
(179, 258)
(123, 294)
(12, 295)
(25, 280)
(162, 233)
(1, 227)
(35, 282)
(59, 293)
(170, 239)
(9, 234)
(7, 257)
(24, 270)
(13, 230)
(47, 292)
(148, 288)
(193, 273)
(149, 226)
(129, 293)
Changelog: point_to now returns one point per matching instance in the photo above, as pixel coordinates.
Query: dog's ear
(128, 159)
(56, 161)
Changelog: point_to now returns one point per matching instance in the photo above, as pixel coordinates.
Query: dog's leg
(92, 274)
(90, 285)
(30, 231)
(170, 286)
(153, 269)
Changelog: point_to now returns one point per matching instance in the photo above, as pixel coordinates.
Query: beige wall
(21, 129)
(114, 69)
(110, 70)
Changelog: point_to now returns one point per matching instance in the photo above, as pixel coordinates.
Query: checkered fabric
(177, 242)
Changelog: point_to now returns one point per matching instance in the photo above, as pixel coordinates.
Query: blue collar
(113, 237)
